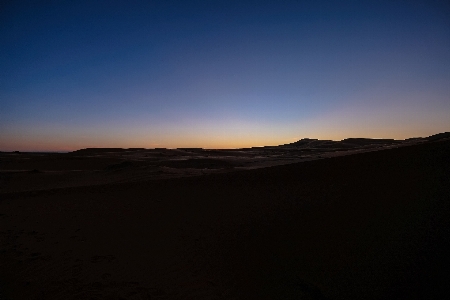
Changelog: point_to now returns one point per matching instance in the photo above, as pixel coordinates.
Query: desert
(224, 150)
(354, 219)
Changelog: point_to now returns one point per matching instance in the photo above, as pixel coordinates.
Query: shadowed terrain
(260, 223)
(93, 166)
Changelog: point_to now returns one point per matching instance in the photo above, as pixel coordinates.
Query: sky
(220, 74)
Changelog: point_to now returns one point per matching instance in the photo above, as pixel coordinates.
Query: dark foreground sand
(366, 226)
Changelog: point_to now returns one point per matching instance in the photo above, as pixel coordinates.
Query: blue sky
(220, 74)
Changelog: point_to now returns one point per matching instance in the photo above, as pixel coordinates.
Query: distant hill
(439, 136)
(344, 144)
(349, 143)
(305, 143)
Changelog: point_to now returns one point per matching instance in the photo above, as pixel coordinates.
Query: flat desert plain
(308, 220)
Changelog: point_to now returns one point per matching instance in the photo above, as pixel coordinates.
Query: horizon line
(213, 148)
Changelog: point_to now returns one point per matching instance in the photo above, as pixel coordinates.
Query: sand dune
(372, 225)
(93, 166)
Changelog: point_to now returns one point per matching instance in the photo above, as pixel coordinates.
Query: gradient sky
(220, 74)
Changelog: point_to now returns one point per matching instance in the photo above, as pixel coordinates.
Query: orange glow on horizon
(217, 143)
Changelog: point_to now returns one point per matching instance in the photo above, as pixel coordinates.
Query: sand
(372, 225)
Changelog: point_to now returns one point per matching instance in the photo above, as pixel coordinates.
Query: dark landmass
(94, 166)
(351, 219)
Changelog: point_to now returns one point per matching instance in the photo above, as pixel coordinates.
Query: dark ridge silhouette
(346, 143)
(439, 136)
(303, 143)
(98, 150)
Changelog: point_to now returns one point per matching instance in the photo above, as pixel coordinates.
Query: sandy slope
(367, 226)
(97, 166)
